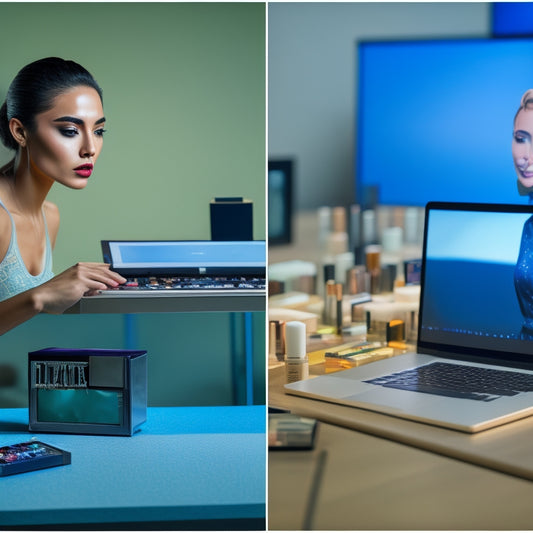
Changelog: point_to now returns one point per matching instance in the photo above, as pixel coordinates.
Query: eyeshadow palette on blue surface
(87, 391)
(31, 455)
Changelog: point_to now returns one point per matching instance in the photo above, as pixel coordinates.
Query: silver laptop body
(474, 312)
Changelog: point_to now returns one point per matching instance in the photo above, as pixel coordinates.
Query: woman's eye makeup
(71, 132)
(521, 137)
(68, 132)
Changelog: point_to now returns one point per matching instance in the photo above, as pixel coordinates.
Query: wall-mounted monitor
(434, 119)
(512, 18)
(280, 189)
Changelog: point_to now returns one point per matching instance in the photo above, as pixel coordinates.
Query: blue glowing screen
(469, 294)
(435, 119)
(512, 18)
(161, 254)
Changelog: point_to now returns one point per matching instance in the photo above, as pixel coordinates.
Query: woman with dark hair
(53, 119)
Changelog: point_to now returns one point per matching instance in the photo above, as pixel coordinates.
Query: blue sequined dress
(523, 278)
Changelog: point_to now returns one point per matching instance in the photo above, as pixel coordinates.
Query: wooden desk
(506, 448)
(384, 473)
(370, 483)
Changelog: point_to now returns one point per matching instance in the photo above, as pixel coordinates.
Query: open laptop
(470, 322)
(187, 266)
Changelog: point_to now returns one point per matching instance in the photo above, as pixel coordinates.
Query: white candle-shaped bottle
(296, 362)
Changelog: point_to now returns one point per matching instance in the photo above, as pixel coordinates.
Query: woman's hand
(58, 294)
(64, 290)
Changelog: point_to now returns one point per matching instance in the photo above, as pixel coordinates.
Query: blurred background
(415, 98)
(375, 109)
(184, 97)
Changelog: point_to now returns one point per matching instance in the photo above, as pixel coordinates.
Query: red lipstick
(84, 170)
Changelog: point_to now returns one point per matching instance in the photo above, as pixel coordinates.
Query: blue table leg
(249, 358)
(130, 332)
(242, 367)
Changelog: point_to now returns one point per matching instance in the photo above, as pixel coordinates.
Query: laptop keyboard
(459, 381)
(192, 283)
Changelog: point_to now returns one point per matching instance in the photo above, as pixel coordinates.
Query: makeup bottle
(369, 227)
(396, 334)
(296, 361)
(373, 266)
(329, 317)
(338, 307)
(306, 283)
(343, 263)
(414, 225)
(329, 272)
(337, 242)
(324, 226)
(355, 234)
(392, 240)
(388, 277)
(325, 272)
(339, 219)
(277, 340)
(357, 280)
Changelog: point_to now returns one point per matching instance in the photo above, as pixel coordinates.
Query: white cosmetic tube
(296, 361)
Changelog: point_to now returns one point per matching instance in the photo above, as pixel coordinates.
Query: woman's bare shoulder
(5, 231)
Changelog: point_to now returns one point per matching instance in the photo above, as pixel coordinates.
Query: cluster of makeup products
(368, 280)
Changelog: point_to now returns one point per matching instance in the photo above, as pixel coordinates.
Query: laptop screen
(475, 296)
(197, 257)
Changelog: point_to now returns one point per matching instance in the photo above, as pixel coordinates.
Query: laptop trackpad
(417, 404)
(391, 399)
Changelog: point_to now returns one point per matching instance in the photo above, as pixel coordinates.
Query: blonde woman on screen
(522, 152)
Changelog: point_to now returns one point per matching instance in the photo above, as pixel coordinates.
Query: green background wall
(184, 98)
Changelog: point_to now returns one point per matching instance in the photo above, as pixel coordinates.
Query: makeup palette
(28, 456)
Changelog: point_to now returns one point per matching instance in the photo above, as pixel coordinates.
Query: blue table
(188, 468)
